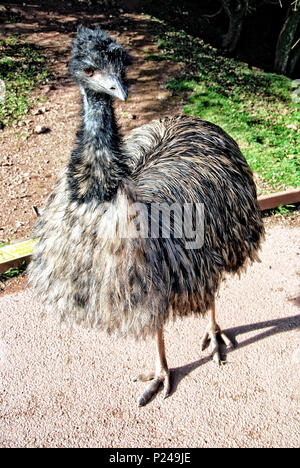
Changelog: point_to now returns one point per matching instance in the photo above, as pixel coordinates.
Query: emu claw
(211, 335)
(152, 389)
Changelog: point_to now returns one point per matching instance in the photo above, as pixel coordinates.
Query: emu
(96, 261)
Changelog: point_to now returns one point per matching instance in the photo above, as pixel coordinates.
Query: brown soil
(31, 162)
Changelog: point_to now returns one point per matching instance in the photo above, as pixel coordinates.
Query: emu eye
(89, 71)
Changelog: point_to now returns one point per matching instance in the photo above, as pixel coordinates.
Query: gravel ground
(62, 388)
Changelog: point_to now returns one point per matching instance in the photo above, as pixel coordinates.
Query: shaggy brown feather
(93, 266)
(100, 261)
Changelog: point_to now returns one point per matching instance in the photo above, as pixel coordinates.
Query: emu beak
(111, 85)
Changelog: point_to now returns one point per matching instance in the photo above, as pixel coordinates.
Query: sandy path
(73, 389)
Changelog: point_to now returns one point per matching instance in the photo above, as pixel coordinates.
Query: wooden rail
(267, 202)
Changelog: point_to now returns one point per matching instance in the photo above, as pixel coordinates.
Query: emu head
(98, 63)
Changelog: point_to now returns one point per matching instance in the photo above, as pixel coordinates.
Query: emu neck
(97, 165)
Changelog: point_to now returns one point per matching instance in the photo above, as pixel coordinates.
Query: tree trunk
(295, 56)
(286, 38)
(236, 14)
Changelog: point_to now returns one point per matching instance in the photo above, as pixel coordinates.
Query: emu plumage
(91, 263)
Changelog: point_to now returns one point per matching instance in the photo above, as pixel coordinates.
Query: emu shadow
(278, 326)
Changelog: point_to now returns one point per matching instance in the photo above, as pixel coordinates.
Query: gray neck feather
(97, 164)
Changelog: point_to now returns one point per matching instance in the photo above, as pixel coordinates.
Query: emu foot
(211, 334)
(152, 389)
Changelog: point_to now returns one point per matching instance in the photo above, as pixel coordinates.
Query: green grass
(13, 272)
(254, 107)
(282, 211)
(22, 68)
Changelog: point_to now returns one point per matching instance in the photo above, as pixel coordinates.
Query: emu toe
(211, 334)
(152, 389)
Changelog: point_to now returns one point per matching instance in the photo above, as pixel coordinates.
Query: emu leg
(161, 374)
(211, 332)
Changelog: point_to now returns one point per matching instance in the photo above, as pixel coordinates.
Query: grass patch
(22, 68)
(12, 273)
(282, 211)
(254, 107)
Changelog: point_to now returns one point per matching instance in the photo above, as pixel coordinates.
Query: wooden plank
(12, 255)
(267, 202)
